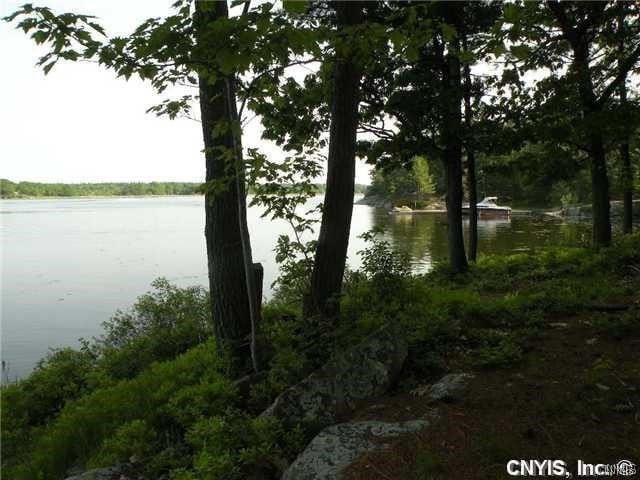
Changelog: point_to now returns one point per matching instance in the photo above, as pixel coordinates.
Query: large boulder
(330, 393)
(336, 447)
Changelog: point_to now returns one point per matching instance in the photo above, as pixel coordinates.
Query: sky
(82, 124)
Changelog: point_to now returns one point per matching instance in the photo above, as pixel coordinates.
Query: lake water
(68, 264)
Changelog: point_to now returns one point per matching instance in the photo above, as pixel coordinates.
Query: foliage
(229, 447)
(161, 324)
(282, 189)
(10, 189)
(380, 262)
(104, 424)
(404, 185)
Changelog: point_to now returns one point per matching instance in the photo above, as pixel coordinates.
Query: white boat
(489, 207)
(402, 209)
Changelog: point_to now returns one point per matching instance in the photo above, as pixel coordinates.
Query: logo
(558, 468)
(626, 468)
(535, 468)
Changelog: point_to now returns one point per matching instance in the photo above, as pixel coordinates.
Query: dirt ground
(575, 395)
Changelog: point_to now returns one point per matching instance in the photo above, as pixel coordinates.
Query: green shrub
(230, 446)
(27, 404)
(165, 398)
(496, 351)
(161, 325)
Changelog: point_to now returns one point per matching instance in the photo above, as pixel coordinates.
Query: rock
(558, 324)
(377, 201)
(115, 472)
(585, 211)
(336, 447)
(448, 388)
(364, 371)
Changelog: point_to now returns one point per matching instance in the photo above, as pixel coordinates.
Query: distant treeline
(9, 189)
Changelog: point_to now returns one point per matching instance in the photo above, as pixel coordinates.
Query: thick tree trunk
(472, 187)
(591, 109)
(599, 177)
(331, 250)
(451, 129)
(224, 207)
(600, 192)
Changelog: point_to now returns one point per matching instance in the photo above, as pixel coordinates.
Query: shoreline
(67, 197)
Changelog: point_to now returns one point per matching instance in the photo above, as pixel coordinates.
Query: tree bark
(599, 177)
(472, 187)
(331, 251)
(451, 128)
(225, 209)
(591, 109)
(627, 198)
(627, 171)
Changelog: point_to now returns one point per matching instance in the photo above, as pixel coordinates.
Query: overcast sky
(82, 124)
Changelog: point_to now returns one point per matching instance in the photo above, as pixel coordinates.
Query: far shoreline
(88, 197)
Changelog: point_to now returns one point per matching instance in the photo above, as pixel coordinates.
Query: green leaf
(466, 56)
(449, 32)
(521, 52)
(48, 67)
(295, 6)
(511, 13)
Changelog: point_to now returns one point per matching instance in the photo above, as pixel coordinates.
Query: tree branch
(624, 68)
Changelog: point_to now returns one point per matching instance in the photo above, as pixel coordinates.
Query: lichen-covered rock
(364, 371)
(115, 472)
(336, 447)
(448, 388)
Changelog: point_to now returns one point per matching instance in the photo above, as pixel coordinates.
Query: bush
(233, 445)
(163, 401)
(161, 325)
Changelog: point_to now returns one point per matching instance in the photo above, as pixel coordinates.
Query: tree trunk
(591, 109)
(451, 128)
(599, 177)
(600, 192)
(225, 209)
(331, 250)
(627, 179)
(627, 171)
(472, 187)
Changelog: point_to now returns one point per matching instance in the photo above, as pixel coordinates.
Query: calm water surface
(68, 264)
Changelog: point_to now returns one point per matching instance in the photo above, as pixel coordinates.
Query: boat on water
(489, 208)
(402, 209)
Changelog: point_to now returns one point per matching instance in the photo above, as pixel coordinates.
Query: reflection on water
(68, 264)
(424, 236)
